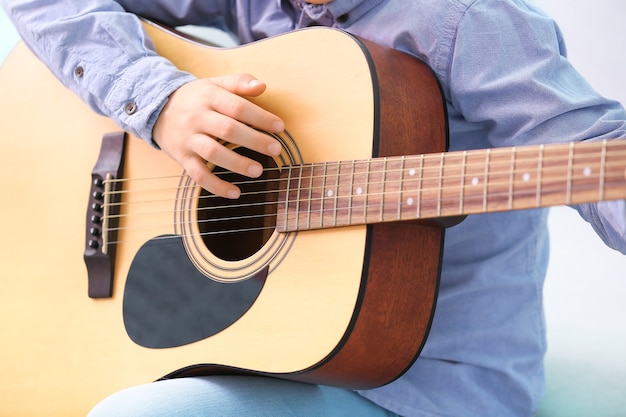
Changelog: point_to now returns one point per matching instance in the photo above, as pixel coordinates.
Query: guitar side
(65, 342)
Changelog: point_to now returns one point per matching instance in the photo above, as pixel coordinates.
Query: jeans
(235, 396)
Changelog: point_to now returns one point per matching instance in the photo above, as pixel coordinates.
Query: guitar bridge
(103, 216)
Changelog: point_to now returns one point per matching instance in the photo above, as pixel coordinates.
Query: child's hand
(205, 109)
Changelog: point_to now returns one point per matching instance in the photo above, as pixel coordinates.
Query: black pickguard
(169, 303)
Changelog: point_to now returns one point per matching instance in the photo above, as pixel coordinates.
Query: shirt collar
(355, 8)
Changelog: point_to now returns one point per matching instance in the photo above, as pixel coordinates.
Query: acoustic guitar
(119, 270)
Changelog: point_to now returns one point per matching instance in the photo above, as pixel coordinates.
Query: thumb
(240, 84)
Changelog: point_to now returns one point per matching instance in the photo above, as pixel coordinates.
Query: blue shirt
(506, 80)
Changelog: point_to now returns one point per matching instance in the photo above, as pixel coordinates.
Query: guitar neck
(334, 194)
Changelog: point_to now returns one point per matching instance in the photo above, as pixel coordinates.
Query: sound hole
(234, 230)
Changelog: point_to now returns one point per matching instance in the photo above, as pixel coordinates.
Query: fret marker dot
(526, 177)
(410, 201)
(330, 193)
(359, 191)
(412, 172)
(587, 171)
(475, 181)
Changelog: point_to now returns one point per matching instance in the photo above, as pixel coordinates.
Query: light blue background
(8, 36)
(586, 288)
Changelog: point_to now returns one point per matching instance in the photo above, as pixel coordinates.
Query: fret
(323, 194)
(294, 187)
(451, 185)
(430, 188)
(383, 189)
(315, 197)
(539, 175)
(420, 187)
(335, 193)
(499, 179)
(555, 174)
(294, 190)
(287, 199)
(343, 193)
(393, 188)
(367, 190)
(525, 168)
(304, 196)
(372, 206)
(351, 192)
(585, 173)
(614, 183)
(440, 186)
(410, 188)
(602, 170)
(486, 179)
(375, 190)
(358, 192)
(511, 177)
(462, 187)
(570, 167)
(473, 194)
(310, 196)
(401, 192)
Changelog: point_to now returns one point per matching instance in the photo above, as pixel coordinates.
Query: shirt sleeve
(509, 73)
(101, 52)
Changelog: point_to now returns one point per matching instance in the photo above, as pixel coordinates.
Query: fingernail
(233, 193)
(278, 126)
(254, 83)
(255, 170)
(274, 149)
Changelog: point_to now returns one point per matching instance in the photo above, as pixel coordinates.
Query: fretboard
(334, 194)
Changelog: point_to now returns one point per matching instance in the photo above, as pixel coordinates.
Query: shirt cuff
(140, 93)
(608, 218)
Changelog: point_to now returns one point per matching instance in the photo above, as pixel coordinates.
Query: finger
(237, 133)
(198, 171)
(240, 84)
(214, 152)
(228, 101)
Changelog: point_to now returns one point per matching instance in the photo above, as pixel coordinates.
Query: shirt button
(131, 108)
(79, 71)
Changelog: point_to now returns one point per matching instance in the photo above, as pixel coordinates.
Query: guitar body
(348, 306)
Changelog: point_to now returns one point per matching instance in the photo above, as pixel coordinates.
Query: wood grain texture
(56, 340)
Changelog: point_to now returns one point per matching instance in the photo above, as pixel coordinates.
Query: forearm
(101, 52)
(516, 81)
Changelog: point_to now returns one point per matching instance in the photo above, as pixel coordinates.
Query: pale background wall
(586, 286)
(586, 289)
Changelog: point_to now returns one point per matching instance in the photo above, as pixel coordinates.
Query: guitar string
(305, 212)
(453, 189)
(425, 199)
(448, 177)
(531, 151)
(338, 165)
(546, 179)
(517, 160)
(202, 234)
(505, 152)
(263, 228)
